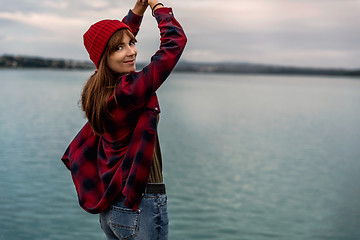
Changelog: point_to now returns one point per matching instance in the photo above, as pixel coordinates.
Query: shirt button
(156, 109)
(170, 13)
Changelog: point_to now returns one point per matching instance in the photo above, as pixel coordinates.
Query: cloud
(43, 20)
(56, 5)
(276, 31)
(231, 30)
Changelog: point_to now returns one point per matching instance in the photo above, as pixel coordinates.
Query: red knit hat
(96, 38)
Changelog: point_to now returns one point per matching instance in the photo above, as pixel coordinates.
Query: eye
(118, 48)
(132, 43)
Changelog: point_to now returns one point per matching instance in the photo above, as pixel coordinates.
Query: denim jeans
(150, 221)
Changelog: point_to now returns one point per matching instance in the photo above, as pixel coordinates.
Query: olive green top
(156, 167)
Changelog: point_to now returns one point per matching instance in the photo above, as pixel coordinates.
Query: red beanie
(96, 38)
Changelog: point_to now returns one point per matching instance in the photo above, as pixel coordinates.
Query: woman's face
(123, 59)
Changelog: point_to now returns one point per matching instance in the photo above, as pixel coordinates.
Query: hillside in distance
(19, 62)
(251, 68)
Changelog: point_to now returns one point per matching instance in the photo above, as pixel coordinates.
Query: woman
(115, 159)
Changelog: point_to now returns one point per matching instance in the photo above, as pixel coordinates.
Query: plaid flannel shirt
(119, 162)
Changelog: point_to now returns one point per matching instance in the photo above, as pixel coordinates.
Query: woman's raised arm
(134, 17)
(140, 7)
(140, 86)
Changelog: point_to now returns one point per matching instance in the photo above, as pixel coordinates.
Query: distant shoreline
(26, 62)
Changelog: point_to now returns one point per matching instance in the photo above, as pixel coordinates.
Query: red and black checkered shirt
(119, 162)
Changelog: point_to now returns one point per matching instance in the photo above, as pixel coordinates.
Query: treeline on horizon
(11, 61)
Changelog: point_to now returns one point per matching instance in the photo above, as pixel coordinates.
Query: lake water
(245, 156)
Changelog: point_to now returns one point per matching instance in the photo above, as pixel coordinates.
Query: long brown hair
(101, 86)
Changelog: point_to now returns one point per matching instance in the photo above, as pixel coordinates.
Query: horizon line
(192, 62)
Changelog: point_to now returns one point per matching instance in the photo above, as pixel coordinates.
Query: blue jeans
(150, 221)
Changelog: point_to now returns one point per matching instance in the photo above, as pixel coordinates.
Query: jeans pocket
(124, 222)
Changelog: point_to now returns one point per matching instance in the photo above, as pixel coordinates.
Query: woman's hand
(140, 7)
(142, 2)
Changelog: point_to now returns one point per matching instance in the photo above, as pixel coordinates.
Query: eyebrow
(131, 40)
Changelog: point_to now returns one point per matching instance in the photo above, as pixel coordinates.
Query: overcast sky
(315, 33)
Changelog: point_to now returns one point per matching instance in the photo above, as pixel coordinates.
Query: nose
(131, 51)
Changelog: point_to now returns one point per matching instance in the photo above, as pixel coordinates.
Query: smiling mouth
(130, 62)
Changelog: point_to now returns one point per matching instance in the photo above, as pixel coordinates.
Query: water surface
(245, 156)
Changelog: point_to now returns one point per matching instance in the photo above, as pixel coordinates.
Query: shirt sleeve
(133, 21)
(138, 87)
